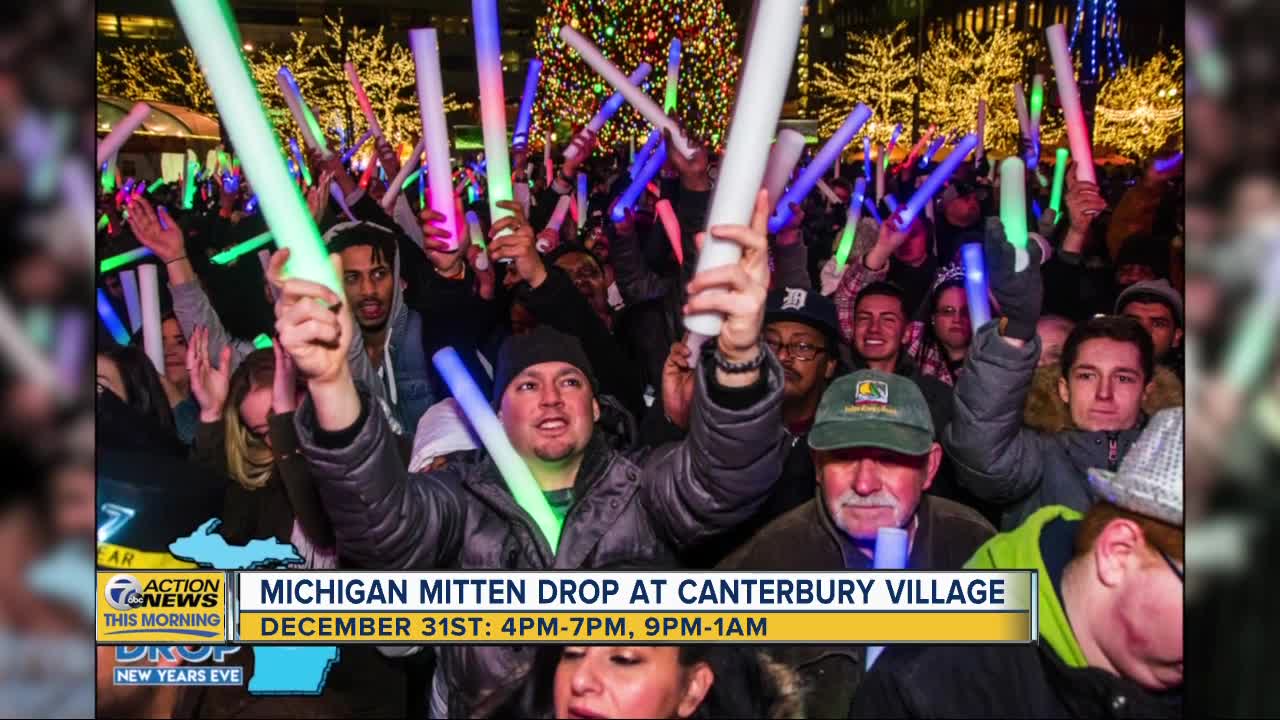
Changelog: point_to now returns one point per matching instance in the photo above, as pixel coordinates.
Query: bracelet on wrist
(743, 367)
(182, 257)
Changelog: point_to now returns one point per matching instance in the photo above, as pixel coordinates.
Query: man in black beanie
(616, 509)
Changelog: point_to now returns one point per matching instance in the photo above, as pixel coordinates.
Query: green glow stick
(673, 75)
(1059, 181)
(152, 187)
(104, 221)
(409, 180)
(248, 246)
(1013, 208)
(124, 258)
(109, 176)
(210, 27)
(189, 185)
(262, 341)
(850, 224)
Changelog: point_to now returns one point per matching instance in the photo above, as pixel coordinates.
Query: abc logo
(123, 592)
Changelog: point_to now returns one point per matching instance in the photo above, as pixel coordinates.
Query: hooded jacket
(1047, 679)
(1000, 460)
(626, 510)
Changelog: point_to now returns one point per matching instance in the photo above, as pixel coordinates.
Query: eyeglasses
(1172, 566)
(797, 350)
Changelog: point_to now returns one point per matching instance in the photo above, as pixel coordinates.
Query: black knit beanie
(542, 344)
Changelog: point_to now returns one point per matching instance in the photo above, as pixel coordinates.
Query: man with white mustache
(874, 455)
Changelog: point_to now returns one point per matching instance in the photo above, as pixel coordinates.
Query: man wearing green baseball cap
(875, 455)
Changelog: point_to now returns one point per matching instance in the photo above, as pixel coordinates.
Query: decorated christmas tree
(629, 32)
(878, 70)
(1140, 108)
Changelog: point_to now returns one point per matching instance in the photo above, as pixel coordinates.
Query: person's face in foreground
(369, 285)
(877, 327)
(549, 412)
(175, 351)
(628, 682)
(804, 376)
(1104, 387)
(866, 489)
(1139, 628)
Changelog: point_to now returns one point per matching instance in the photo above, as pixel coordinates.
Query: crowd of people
(834, 402)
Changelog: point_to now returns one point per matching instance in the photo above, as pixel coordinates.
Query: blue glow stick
(643, 154)
(1168, 163)
(110, 319)
(893, 142)
(822, 162)
(866, 157)
(871, 207)
(892, 546)
(422, 184)
(346, 157)
(975, 285)
(302, 166)
(637, 186)
(251, 205)
(934, 182)
(933, 150)
(891, 202)
(524, 488)
(520, 134)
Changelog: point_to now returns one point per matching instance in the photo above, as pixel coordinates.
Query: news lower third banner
(495, 607)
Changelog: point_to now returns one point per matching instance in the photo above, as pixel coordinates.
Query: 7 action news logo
(161, 606)
(124, 592)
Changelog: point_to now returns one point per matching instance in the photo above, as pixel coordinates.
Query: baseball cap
(1149, 481)
(1159, 290)
(873, 409)
(803, 306)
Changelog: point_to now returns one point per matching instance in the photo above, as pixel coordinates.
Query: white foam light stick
(23, 355)
(493, 109)
(406, 167)
(635, 97)
(557, 219)
(127, 126)
(1020, 106)
(1069, 97)
(312, 135)
(477, 238)
(424, 44)
(822, 162)
(610, 107)
(775, 33)
(132, 305)
(363, 99)
(879, 170)
(783, 156)
(149, 292)
(892, 545)
(827, 192)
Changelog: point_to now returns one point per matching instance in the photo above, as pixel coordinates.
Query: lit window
(108, 25)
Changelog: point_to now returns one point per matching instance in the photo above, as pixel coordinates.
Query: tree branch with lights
(877, 70)
(1140, 109)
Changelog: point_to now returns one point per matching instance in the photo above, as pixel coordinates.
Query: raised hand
(585, 142)
(312, 323)
(677, 384)
(790, 234)
(448, 262)
(1084, 201)
(1019, 294)
(892, 236)
(159, 232)
(209, 384)
(517, 245)
(318, 196)
(693, 170)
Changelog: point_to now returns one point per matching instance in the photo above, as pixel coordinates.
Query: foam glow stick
(152, 339)
(155, 185)
(520, 135)
(635, 97)
(867, 172)
(132, 301)
(891, 554)
(637, 186)
(1164, 165)
(822, 162)
(69, 348)
(367, 176)
(852, 215)
(582, 199)
(933, 183)
(422, 185)
(336, 193)
(775, 32)
(880, 154)
(189, 186)
(127, 126)
(938, 142)
(524, 488)
(871, 208)
(546, 160)
(671, 224)
(893, 142)
(1059, 182)
(1013, 207)
(111, 320)
(611, 107)
(1037, 102)
(124, 258)
(521, 192)
(104, 221)
(312, 134)
(406, 168)
(1069, 98)
(493, 110)
(558, 214)
(362, 98)
(783, 156)
(355, 147)
(1020, 106)
(673, 75)
(297, 158)
(649, 144)
(108, 175)
(975, 285)
(473, 229)
(248, 246)
(891, 202)
(262, 342)
(828, 193)
(24, 356)
(982, 129)
(413, 176)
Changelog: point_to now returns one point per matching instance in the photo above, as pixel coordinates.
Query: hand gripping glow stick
(521, 193)
(362, 98)
(850, 224)
(124, 258)
(248, 246)
(880, 154)
(671, 225)
(827, 192)
(783, 157)
(312, 134)
(524, 488)
(629, 196)
(641, 157)
(1069, 98)
(891, 554)
(673, 75)
(211, 30)
(558, 215)
(112, 321)
(818, 167)
(1059, 182)
(1013, 207)
(937, 178)
(355, 147)
(520, 135)
(152, 339)
(635, 97)
(132, 300)
(766, 70)
(406, 169)
(302, 165)
(975, 285)
(611, 107)
(982, 130)
(127, 126)
(493, 110)
(582, 199)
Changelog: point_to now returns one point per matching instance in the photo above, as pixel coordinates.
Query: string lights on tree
(1140, 109)
(629, 32)
(877, 70)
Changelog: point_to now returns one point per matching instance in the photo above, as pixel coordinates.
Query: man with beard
(875, 455)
